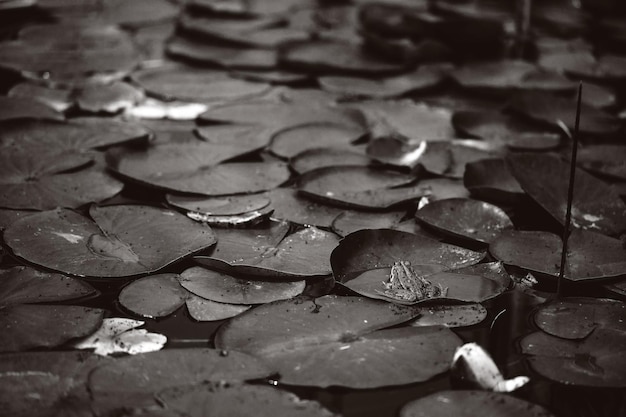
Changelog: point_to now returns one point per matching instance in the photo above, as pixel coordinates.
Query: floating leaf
(326, 157)
(288, 204)
(153, 296)
(57, 98)
(28, 326)
(119, 241)
(45, 383)
(546, 177)
(379, 248)
(201, 309)
(472, 403)
(474, 220)
(607, 160)
(239, 399)
(110, 98)
(290, 142)
(24, 108)
(229, 211)
(118, 335)
(491, 179)
(132, 381)
(590, 255)
(270, 251)
(349, 221)
(22, 284)
(360, 187)
(454, 315)
(224, 288)
(577, 317)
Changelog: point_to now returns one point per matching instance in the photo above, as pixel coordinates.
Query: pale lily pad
(379, 248)
(360, 187)
(577, 317)
(132, 381)
(45, 383)
(22, 284)
(271, 251)
(119, 241)
(473, 220)
(201, 309)
(117, 335)
(224, 288)
(546, 177)
(153, 296)
(28, 326)
(472, 403)
(590, 255)
(239, 400)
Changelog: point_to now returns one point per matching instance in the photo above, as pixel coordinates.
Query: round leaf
(201, 309)
(153, 296)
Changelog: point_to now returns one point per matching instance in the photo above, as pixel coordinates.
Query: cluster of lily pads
(265, 164)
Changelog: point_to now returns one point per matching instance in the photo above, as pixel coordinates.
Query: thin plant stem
(570, 192)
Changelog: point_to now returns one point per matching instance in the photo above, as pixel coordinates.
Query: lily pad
(119, 241)
(22, 284)
(360, 187)
(28, 326)
(224, 288)
(25, 108)
(349, 221)
(288, 204)
(379, 248)
(202, 309)
(290, 142)
(473, 220)
(239, 399)
(45, 383)
(132, 381)
(609, 160)
(327, 157)
(472, 403)
(118, 335)
(271, 251)
(597, 360)
(546, 177)
(453, 315)
(491, 179)
(590, 255)
(153, 296)
(108, 98)
(577, 317)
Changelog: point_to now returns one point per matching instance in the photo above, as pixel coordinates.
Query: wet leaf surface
(224, 288)
(132, 381)
(290, 142)
(202, 309)
(327, 157)
(290, 205)
(153, 296)
(492, 180)
(119, 241)
(469, 403)
(455, 315)
(545, 178)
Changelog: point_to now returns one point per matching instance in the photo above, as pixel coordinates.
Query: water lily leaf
(552, 110)
(333, 57)
(349, 221)
(604, 68)
(132, 381)
(360, 187)
(77, 135)
(276, 77)
(153, 109)
(468, 403)
(153, 296)
(221, 55)
(302, 321)
(386, 357)
(220, 206)
(224, 288)
(40, 181)
(503, 129)
(379, 248)
(473, 220)
(288, 204)
(202, 309)
(248, 137)
(194, 85)
(118, 335)
(443, 188)
(546, 177)
(45, 383)
(270, 251)
(426, 76)
(490, 179)
(58, 98)
(196, 168)
(22, 284)
(25, 108)
(609, 160)
(590, 255)
(597, 360)
(119, 241)
(577, 317)
(239, 399)
(453, 315)
(314, 158)
(109, 98)
(27, 326)
(291, 141)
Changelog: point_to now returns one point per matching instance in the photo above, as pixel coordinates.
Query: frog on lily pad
(404, 284)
